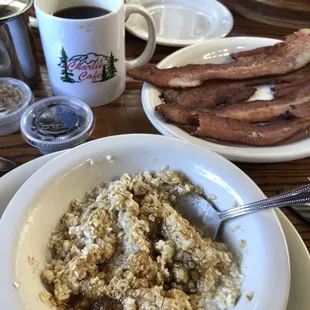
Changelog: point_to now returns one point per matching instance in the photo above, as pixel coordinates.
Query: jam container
(15, 98)
(57, 123)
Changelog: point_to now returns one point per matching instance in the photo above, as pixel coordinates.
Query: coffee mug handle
(148, 53)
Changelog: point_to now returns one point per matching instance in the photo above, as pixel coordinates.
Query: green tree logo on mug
(92, 67)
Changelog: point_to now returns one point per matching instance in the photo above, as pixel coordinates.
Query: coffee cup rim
(37, 8)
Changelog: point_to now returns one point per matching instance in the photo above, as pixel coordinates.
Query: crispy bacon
(209, 95)
(255, 52)
(282, 58)
(273, 133)
(216, 93)
(292, 101)
(178, 115)
(224, 129)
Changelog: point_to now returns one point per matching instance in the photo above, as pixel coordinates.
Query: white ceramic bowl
(36, 208)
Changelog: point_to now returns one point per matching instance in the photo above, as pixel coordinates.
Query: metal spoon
(6, 165)
(206, 212)
(303, 211)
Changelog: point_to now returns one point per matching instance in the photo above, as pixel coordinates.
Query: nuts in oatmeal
(45, 296)
(249, 296)
(32, 261)
(124, 246)
(242, 244)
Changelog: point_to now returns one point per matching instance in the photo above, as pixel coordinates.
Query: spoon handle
(305, 188)
(284, 200)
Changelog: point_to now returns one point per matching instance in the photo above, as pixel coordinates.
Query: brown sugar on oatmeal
(124, 246)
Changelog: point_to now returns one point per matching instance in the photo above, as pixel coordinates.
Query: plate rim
(24, 167)
(271, 154)
(293, 229)
(291, 232)
(182, 43)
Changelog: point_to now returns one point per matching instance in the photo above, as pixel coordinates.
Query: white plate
(28, 221)
(299, 297)
(218, 51)
(183, 22)
(300, 266)
(12, 181)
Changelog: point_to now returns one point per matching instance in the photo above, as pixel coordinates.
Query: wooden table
(283, 13)
(126, 115)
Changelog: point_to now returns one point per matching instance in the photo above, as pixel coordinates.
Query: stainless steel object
(298, 197)
(6, 165)
(17, 50)
(303, 211)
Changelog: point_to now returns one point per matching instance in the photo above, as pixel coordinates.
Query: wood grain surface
(283, 13)
(126, 115)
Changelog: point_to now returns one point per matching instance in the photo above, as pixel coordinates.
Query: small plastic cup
(57, 123)
(15, 98)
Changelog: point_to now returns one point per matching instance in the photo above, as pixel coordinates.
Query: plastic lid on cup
(57, 123)
(15, 98)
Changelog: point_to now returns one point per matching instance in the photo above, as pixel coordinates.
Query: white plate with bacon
(248, 97)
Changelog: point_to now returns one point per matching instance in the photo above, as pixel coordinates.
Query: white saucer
(299, 298)
(183, 22)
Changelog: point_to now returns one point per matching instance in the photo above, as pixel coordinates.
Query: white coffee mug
(85, 58)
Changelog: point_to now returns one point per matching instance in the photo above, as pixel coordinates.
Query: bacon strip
(209, 96)
(290, 101)
(219, 92)
(216, 93)
(282, 58)
(178, 115)
(224, 129)
(255, 52)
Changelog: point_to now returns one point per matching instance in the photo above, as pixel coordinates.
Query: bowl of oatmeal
(98, 228)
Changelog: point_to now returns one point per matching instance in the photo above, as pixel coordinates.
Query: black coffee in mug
(81, 12)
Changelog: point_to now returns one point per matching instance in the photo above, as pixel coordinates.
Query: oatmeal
(45, 296)
(124, 246)
(10, 97)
